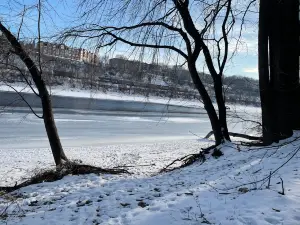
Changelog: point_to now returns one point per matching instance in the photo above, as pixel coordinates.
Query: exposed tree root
(185, 161)
(207, 150)
(232, 134)
(253, 144)
(67, 168)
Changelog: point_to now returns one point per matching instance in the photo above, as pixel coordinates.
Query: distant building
(64, 51)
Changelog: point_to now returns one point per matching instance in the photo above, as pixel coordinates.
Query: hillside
(129, 77)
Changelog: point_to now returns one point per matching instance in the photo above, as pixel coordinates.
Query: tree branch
(26, 80)
(249, 137)
(40, 117)
(117, 38)
(225, 37)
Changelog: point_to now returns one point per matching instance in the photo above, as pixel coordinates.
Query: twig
(282, 193)
(187, 160)
(256, 171)
(263, 180)
(153, 164)
(40, 117)
(194, 134)
(268, 187)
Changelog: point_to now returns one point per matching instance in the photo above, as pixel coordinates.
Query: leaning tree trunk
(221, 106)
(209, 107)
(51, 130)
(48, 117)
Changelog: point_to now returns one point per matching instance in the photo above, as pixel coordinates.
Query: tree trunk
(215, 123)
(279, 79)
(274, 70)
(263, 69)
(279, 84)
(48, 117)
(51, 130)
(221, 106)
(287, 14)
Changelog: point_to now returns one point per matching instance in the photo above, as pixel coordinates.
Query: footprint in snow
(297, 218)
(272, 220)
(171, 205)
(248, 221)
(155, 208)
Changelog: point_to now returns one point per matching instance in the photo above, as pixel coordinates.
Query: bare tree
(43, 94)
(177, 28)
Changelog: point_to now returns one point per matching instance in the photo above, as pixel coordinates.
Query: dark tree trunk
(287, 15)
(274, 82)
(281, 78)
(263, 69)
(221, 106)
(51, 129)
(279, 68)
(189, 26)
(48, 117)
(209, 107)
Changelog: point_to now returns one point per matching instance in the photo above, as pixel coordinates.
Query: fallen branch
(268, 187)
(207, 150)
(127, 166)
(185, 160)
(67, 168)
(209, 134)
(249, 137)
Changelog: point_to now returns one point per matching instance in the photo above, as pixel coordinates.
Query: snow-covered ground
(230, 190)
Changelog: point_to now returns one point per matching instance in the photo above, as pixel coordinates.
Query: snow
(79, 93)
(202, 193)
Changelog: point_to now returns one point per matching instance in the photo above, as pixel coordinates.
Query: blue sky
(59, 14)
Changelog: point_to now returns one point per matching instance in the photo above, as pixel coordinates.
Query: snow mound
(230, 190)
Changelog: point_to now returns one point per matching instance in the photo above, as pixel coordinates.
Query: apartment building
(64, 51)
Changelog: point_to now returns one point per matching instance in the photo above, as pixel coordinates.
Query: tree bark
(209, 107)
(287, 15)
(54, 140)
(264, 73)
(221, 106)
(278, 79)
(279, 68)
(48, 117)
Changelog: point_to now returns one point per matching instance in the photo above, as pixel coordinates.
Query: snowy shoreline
(192, 195)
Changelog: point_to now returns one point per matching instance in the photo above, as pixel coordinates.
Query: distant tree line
(133, 77)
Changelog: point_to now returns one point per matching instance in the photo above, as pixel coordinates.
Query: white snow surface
(207, 193)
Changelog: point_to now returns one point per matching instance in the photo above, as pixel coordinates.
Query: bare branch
(24, 76)
(39, 35)
(22, 20)
(225, 37)
(105, 32)
(40, 117)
